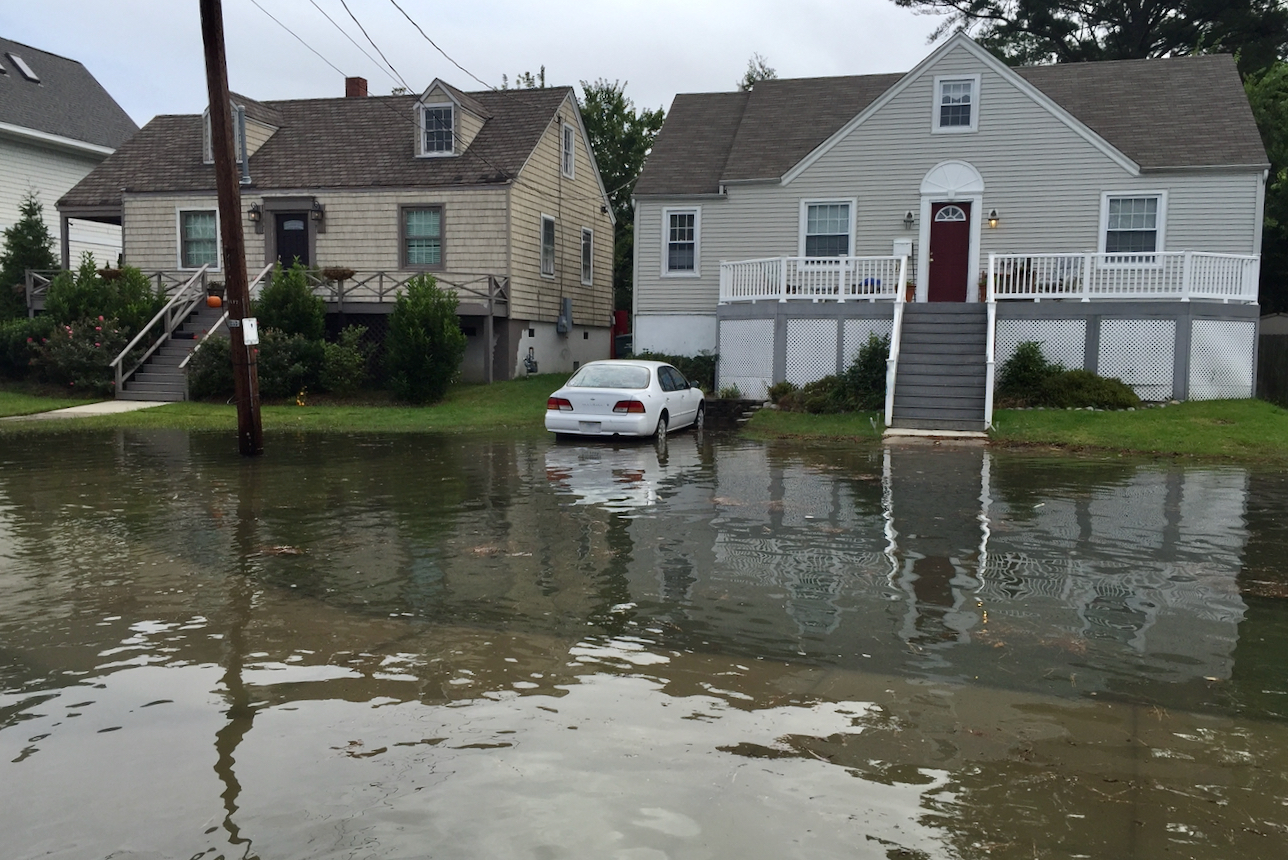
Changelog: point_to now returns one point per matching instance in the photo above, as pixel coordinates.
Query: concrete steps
(160, 379)
(940, 380)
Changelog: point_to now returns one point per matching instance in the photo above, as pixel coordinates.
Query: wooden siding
(51, 174)
(1045, 180)
(257, 133)
(541, 188)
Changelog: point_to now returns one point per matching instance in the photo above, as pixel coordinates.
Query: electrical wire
(301, 41)
(388, 71)
(440, 50)
(374, 45)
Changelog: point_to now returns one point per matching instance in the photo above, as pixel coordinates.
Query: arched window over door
(950, 213)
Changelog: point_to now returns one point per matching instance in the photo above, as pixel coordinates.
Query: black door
(293, 237)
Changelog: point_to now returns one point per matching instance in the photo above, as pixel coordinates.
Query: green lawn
(17, 403)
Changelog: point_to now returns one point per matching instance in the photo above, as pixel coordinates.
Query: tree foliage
(1268, 95)
(622, 138)
(758, 69)
(1032, 32)
(28, 244)
(288, 304)
(425, 345)
(526, 80)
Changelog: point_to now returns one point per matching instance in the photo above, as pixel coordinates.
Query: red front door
(949, 252)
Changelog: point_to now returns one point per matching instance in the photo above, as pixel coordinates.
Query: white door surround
(950, 182)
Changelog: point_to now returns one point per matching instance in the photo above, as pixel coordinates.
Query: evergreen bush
(287, 303)
(1020, 381)
(288, 364)
(1079, 389)
(28, 244)
(210, 373)
(865, 378)
(344, 362)
(425, 345)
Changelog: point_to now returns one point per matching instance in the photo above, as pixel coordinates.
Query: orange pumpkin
(214, 302)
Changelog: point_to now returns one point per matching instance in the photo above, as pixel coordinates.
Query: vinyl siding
(257, 133)
(541, 188)
(1045, 180)
(51, 174)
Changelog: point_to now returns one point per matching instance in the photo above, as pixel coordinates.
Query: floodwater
(403, 647)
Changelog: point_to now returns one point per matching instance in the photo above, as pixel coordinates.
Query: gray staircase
(940, 377)
(160, 379)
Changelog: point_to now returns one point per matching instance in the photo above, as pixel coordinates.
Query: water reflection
(364, 646)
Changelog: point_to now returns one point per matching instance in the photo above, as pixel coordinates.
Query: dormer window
(568, 161)
(956, 104)
(437, 128)
(239, 124)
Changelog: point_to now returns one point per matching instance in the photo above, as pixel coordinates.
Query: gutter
(55, 140)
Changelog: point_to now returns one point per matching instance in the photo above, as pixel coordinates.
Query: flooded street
(401, 647)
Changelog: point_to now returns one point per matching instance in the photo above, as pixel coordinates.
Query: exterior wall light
(908, 220)
(318, 212)
(993, 218)
(255, 213)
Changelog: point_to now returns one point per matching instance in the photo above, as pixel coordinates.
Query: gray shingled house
(56, 124)
(495, 193)
(1110, 211)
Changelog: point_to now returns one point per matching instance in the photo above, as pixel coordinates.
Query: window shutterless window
(569, 160)
(681, 241)
(956, 104)
(437, 130)
(547, 246)
(422, 237)
(198, 239)
(587, 256)
(827, 229)
(1131, 225)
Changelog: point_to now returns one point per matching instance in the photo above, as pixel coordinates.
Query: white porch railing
(1175, 275)
(835, 279)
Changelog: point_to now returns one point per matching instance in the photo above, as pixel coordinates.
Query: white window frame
(1160, 228)
(696, 271)
(541, 245)
(568, 151)
(178, 238)
(587, 256)
(851, 202)
(421, 110)
(940, 80)
(207, 138)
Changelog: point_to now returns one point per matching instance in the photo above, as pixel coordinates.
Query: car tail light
(629, 407)
(560, 403)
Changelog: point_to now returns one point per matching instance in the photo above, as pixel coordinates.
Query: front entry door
(949, 252)
(293, 237)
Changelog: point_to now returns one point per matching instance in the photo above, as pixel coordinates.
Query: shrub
(287, 303)
(76, 296)
(131, 298)
(779, 390)
(1023, 374)
(344, 363)
(210, 373)
(865, 379)
(77, 355)
(125, 295)
(425, 345)
(1082, 388)
(20, 343)
(730, 392)
(28, 244)
(288, 364)
(699, 369)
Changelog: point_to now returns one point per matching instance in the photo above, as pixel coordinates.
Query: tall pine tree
(27, 245)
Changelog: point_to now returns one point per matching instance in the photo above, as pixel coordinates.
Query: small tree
(758, 69)
(79, 295)
(289, 305)
(425, 345)
(27, 245)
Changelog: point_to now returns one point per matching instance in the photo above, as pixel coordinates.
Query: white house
(1117, 204)
(56, 124)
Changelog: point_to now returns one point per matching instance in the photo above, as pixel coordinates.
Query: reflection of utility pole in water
(241, 712)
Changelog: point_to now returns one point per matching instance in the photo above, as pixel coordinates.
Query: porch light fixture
(908, 219)
(993, 217)
(318, 212)
(255, 213)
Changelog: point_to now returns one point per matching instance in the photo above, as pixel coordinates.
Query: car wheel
(660, 432)
(700, 420)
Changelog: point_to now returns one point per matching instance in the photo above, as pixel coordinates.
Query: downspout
(245, 150)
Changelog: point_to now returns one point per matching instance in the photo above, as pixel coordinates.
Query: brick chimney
(355, 88)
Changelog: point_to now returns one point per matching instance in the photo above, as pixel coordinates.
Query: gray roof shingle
(67, 101)
(1184, 112)
(328, 143)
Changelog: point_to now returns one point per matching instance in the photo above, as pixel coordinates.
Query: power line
(374, 45)
(440, 50)
(345, 33)
(301, 41)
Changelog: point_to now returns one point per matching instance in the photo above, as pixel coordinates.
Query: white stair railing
(990, 350)
(896, 335)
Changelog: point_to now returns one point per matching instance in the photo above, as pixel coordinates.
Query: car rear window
(610, 376)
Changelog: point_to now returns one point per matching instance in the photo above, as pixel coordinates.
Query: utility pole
(250, 432)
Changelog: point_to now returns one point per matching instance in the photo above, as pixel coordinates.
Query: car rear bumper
(600, 425)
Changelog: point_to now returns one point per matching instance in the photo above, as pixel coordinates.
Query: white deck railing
(835, 279)
(1174, 275)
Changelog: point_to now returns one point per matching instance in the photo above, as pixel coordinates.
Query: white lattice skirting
(1221, 358)
(1063, 341)
(811, 350)
(1141, 353)
(747, 356)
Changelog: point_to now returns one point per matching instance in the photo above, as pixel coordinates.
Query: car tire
(700, 419)
(660, 432)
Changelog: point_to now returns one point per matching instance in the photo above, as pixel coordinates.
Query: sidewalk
(104, 407)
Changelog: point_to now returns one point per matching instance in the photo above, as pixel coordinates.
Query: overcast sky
(147, 53)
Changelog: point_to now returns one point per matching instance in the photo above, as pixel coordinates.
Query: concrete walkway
(104, 407)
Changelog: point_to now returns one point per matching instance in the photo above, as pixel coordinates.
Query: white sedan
(625, 397)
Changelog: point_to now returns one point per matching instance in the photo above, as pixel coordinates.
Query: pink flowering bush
(77, 355)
